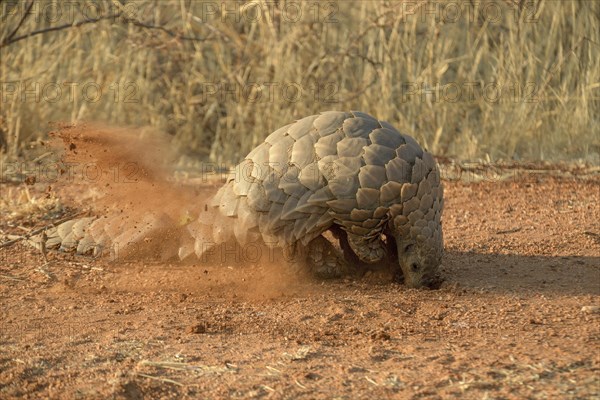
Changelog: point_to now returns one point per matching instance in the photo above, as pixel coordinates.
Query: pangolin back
(343, 168)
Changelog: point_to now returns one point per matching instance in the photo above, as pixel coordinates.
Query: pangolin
(375, 189)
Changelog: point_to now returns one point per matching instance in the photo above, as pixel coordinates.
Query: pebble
(197, 328)
(590, 309)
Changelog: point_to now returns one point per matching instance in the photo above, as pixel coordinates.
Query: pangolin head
(419, 241)
(420, 262)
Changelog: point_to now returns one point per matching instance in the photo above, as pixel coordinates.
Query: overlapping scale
(290, 182)
(329, 122)
(257, 197)
(327, 146)
(367, 198)
(279, 154)
(347, 166)
(276, 136)
(386, 137)
(390, 193)
(344, 187)
(359, 127)
(351, 146)
(303, 151)
(311, 176)
(371, 176)
(398, 170)
(376, 154)
(301, 127)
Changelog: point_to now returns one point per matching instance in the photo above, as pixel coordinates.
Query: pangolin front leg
(324, 260)
(320, 256)
(368, 250)
(389, 261)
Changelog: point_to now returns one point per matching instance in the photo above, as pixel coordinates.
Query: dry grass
(19, 204)
(186, 68)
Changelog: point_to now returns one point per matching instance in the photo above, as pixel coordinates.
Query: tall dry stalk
(491, 79)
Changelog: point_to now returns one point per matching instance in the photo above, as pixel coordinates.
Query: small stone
(198, 328)
(590, 309)
(380, 335)
(335, 317)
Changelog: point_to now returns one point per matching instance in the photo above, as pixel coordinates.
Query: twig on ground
(593, 235)
(512, 230)
(39, 230)
(44, 271)
(13, 278)
(40, 158)
(299, 384)
(160, 379)
(371, 381)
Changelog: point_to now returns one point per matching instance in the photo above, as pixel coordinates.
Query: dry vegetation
(527, 73)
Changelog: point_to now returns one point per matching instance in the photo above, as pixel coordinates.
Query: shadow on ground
(569, 275)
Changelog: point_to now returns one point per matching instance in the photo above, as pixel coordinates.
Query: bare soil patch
(516, 318)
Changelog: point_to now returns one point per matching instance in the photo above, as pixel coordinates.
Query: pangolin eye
(408, 248)
(414, 267)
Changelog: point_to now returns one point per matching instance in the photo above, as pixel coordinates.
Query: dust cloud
(130, 173)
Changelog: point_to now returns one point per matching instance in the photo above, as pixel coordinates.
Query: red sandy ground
(522, 259)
